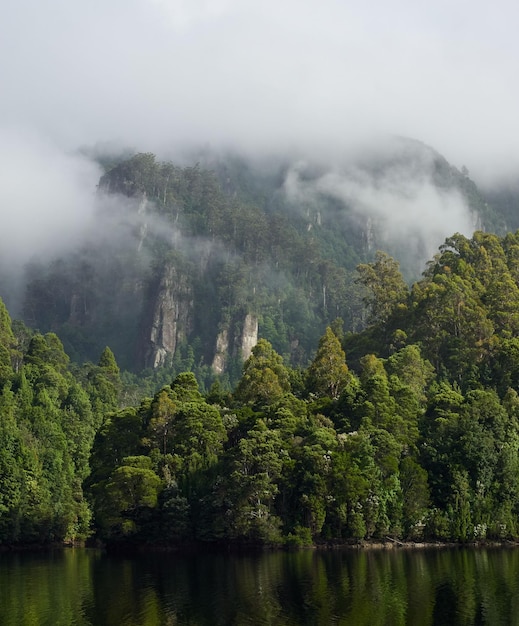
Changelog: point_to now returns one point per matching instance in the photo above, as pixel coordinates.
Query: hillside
(188, 266)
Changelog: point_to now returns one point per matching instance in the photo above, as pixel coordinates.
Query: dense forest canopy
(408, 429)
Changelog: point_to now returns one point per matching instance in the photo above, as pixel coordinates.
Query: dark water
(372, 588)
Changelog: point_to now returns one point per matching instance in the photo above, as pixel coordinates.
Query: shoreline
(388, 543)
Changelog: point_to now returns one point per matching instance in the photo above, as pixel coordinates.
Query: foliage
(47, 428)
(416, 438)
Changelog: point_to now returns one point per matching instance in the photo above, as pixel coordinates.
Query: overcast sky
(265, 74)
(261, 76)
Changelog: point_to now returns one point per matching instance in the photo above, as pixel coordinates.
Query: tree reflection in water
(352, 587)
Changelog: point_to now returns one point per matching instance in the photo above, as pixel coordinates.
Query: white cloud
(261, 76)
(409, 212)
(46, 197)
(158, 72)
(187, 13)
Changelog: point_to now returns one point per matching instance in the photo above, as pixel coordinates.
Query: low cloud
(47, 198)
(410, 216)
(299, 77)
(46, 194)
(159, 74)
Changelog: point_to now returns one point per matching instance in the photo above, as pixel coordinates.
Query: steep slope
(195, 263)
(505, 198)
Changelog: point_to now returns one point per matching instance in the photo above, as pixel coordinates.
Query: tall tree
(265, 379)
(387, 290)
(328, 373)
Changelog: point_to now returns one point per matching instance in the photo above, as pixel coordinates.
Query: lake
(371, 587)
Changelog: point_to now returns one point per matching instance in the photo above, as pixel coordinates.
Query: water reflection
(360, 588)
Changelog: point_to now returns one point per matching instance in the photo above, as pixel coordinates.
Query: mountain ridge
(189, 254)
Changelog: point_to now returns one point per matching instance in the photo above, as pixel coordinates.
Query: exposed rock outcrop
(170, 318)
(221, 353)
(249, 336)
(245, 337)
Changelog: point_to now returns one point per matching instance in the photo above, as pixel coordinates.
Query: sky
(259, 76)
(153, 74)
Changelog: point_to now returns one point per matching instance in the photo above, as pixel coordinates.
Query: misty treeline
(221, 245)
(408, 429)
(223, 240)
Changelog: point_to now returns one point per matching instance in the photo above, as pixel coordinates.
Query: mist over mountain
(505, 198)
(185, 266)
(291, 103)
(263, 76)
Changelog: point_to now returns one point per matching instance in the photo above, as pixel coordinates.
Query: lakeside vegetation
(409, 429)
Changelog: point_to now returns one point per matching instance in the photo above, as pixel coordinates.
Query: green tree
(47, 350)
(163, 409)
(328, 373)
(386, 287)
(440, 447)
(409, 378)
(104, 385)
(251, 486)
(416, 498)
(265, 379)
(127, 497)
(7, 346)
(375, 405)
(355, 487)
(11, 468)
(313, 471)
(119, 436)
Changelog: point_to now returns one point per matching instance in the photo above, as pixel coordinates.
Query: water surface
(351, 587)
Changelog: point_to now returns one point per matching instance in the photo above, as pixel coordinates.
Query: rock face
(245, 338)
(169, 321)
(221, 352)
(249, 337)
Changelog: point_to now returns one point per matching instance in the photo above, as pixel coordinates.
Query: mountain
(504, 197)
(408, 429)
(187, 266)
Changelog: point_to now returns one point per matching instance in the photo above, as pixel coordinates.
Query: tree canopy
(408, 429)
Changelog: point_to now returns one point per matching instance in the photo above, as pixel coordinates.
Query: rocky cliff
(169, 319)
(245, 338)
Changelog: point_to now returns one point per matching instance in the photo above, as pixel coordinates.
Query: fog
(408, 213)
(47, 199)
(159, 73)
(313, 77)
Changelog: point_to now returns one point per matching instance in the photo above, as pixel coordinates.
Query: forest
(184, 262)
(406, 429)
